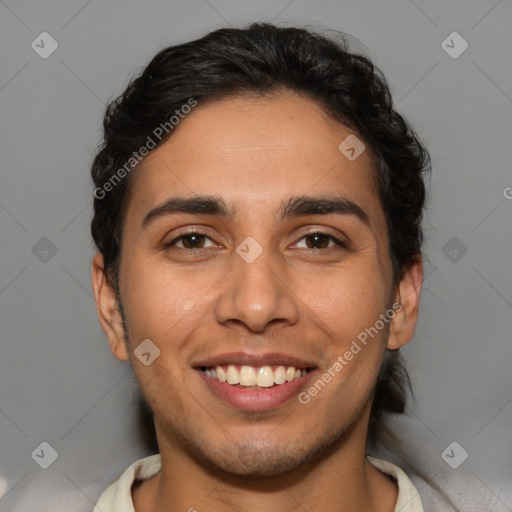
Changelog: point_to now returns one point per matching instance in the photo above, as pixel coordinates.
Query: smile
(254, 377)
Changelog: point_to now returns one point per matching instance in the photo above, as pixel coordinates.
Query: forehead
(255, 153)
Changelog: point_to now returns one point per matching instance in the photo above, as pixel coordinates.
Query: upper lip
(256, 360)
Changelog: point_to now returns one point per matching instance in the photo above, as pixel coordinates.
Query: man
(257, 214)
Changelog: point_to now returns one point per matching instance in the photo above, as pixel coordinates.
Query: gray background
(58, 381)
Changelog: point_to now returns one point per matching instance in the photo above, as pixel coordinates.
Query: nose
(257, 294)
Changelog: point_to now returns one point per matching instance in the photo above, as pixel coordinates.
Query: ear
(406, 306)
(107, 308)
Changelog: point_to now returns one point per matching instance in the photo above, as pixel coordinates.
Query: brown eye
(193, 241)
(319, 240)
(189, 241)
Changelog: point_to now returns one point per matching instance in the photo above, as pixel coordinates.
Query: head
(244, 127)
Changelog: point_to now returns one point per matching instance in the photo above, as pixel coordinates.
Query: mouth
(251, 377)
(266, 384)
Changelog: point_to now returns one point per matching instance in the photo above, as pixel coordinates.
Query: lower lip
(256, 399)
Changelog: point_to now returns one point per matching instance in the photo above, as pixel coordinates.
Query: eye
(189, 241)
(319, 240)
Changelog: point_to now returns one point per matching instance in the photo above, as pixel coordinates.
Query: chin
(261, 460)
(253, 464)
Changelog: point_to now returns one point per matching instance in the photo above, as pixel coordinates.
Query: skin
(297, 298)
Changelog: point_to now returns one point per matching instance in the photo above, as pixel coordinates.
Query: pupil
(190, 237)
(318, 236)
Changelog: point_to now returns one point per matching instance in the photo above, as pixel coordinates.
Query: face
(261, 283)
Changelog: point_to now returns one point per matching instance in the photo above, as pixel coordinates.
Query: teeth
(247, 376)
(280, 375)
(233, 375)
(221, 374)
(263, 377)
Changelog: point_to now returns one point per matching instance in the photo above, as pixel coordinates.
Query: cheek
(351, 300)
(349, 310)
(160, 301)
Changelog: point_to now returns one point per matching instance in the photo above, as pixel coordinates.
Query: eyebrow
(296, 206)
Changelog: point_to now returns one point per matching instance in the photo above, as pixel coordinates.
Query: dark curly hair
(263, 59)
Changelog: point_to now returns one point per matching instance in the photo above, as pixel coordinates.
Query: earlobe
(107, 309)
(407, 295)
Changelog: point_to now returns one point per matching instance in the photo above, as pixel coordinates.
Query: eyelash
(168, 245)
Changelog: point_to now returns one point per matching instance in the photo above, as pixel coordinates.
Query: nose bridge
(254, 292)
